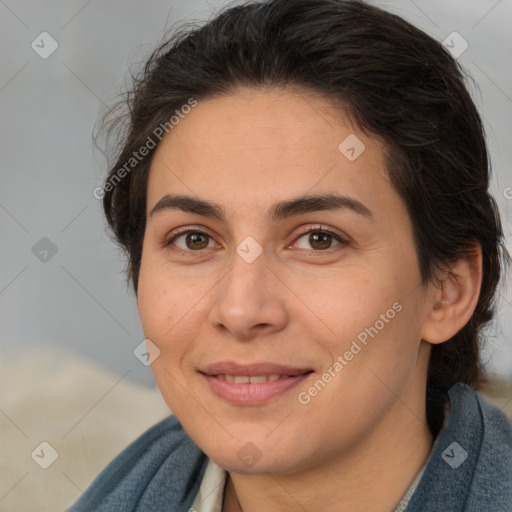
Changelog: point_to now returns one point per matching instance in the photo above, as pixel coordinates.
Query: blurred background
(62, 283)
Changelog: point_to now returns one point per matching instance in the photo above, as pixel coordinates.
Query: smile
(252, 385)
(253, 379)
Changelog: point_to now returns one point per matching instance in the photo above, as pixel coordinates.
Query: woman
(302, 194)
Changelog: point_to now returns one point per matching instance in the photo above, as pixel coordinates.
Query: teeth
(254, 379)
(257, 378)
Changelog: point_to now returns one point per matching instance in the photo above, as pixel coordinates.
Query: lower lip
(252, 394)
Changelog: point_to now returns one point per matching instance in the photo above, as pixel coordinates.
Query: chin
(252, 458)
(263, 466)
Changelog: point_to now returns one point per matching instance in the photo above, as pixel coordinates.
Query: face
(319, 302)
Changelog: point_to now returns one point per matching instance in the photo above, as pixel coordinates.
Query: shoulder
(492, 478)
(470, 467)
(160, 468)
(475, 412)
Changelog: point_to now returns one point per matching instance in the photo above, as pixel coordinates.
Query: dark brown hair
(394, 81)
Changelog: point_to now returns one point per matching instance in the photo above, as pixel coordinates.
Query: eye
(321, 239)
(193, 240)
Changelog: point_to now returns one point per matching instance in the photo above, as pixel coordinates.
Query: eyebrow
(278, 211)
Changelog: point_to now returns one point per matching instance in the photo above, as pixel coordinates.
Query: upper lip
(264, 368)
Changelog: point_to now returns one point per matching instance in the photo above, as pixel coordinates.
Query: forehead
(256, 146)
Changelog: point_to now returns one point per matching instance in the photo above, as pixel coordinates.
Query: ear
(454, 301)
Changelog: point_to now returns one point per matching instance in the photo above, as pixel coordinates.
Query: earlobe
(453, 304)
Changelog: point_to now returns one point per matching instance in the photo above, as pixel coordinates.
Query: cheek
(163, 306)
(153, 304)
(371, 318)
(352, 302)
(158, 304)
(170, 313)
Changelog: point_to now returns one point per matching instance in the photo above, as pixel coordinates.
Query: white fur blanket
(85, 414)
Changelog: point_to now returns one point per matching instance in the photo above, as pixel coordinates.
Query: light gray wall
(48, 107)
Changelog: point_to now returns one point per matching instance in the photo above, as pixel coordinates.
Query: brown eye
(321, 240)
(196, 240)
(192, 240)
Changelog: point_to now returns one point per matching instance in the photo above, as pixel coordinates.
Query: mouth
(252, 384)
(253, 379)
(267, 369)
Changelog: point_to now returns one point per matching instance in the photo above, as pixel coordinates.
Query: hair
(392, 79)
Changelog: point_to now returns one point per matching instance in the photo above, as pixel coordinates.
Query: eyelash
(317, 229)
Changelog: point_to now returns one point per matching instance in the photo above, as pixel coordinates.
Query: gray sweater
(469, 470)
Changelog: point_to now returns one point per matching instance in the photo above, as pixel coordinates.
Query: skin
(359, 443)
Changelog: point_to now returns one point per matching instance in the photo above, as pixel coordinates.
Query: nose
(249, 301)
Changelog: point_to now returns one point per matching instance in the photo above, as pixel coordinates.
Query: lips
(230, 368)
(253, 384)
(253, 379)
